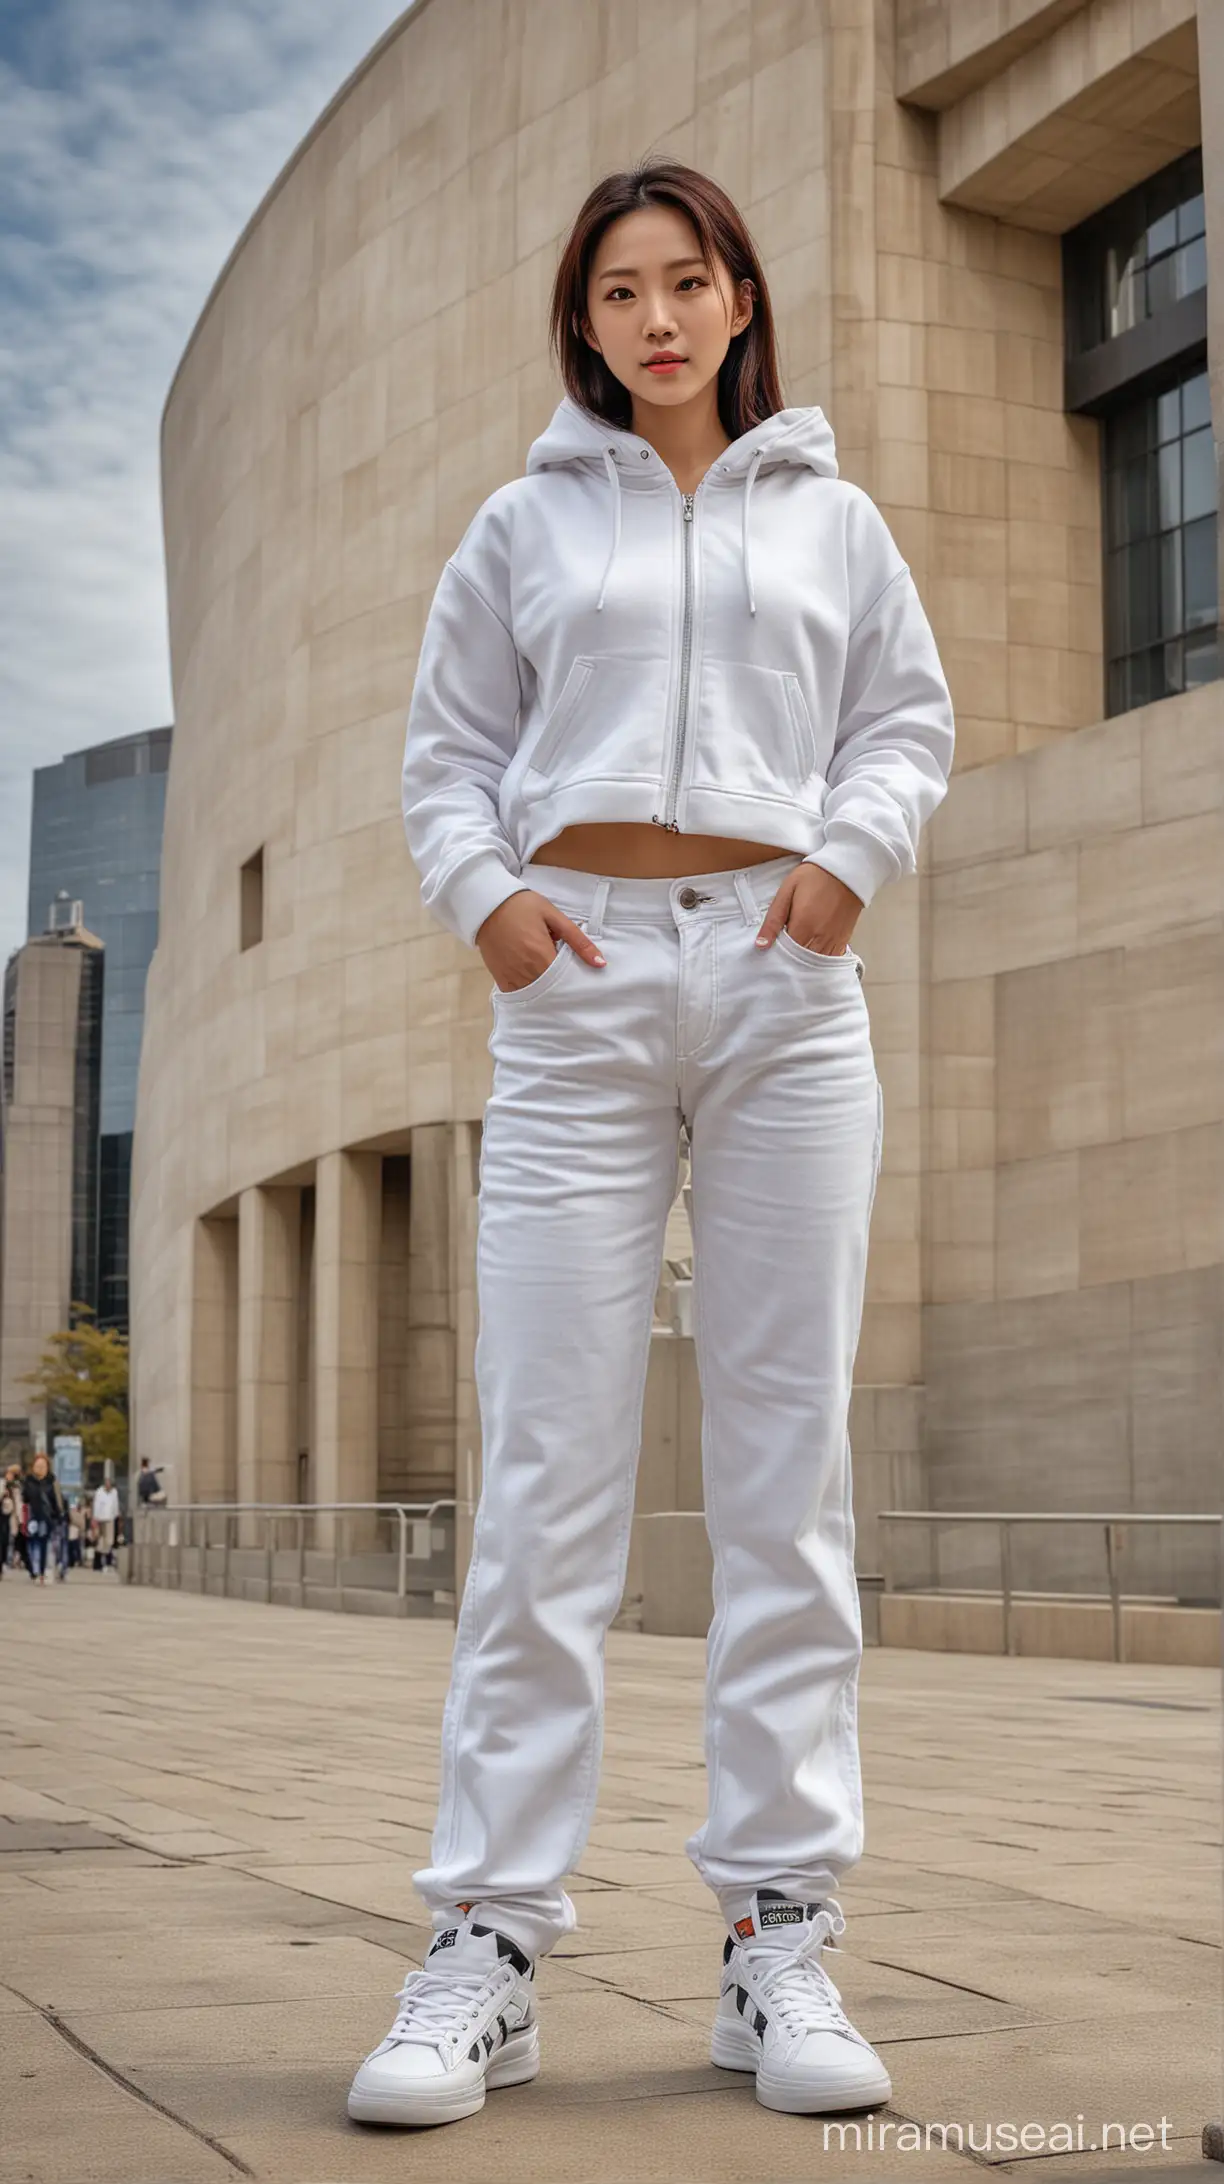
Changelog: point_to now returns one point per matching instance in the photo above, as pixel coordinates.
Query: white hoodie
(750, 660)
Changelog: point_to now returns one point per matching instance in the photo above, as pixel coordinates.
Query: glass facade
(1139, 257)
(1135, 280)
(1161, 529)
(96, 836)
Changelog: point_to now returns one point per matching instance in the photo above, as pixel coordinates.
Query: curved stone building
(991, 249)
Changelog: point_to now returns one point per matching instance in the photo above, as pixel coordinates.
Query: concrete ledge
(1051, 1628)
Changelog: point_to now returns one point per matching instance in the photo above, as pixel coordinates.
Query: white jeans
(766, 1056)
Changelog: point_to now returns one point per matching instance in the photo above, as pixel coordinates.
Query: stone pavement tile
(63, 2121)
(1059, 1976)
(607, 1918)
(383, 1886)
(1163, 1895)
(186, 1843)
(124, 1968)
(19, 1803)
(94, 1864)
(634, 1868)
(1175, 2162)
(295, 1845)
(290, 2127)
(1126, 2069)
(1005, 1914)
(919, 1888)
(22, 1835)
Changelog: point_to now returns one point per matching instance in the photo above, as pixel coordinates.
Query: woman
(46, 1512)
(678, 716)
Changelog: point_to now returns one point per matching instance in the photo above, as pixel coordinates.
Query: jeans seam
(590, 1784)
(713, 1722)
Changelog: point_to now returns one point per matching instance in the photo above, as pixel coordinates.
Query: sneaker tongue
(475, 1950)
(773, 1918)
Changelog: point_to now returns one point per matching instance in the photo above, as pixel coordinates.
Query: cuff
(861, 861)
(479, 890)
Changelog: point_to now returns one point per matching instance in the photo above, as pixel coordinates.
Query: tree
(82, 1377)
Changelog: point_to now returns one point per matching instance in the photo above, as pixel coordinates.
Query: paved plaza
(209, 1817)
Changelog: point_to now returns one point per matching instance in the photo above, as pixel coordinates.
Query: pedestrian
(678, 717)
(15, 1484)
(45, 1513)
(148, 1485)
(76, 1534)
(106, 1517)
(10, 1514)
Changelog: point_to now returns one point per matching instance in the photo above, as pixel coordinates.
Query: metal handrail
(1113, 1523)
(152, 1521)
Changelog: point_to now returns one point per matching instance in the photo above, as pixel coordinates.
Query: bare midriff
(632, 850)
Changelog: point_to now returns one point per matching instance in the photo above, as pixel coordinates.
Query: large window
(1161, 544)
(1135, 278)
(1139, 256)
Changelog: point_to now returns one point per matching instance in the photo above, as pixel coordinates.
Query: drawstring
(745, 547)
(749, 482)
(614, 474)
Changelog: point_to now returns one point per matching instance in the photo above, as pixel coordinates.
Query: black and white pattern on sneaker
(758, 2020)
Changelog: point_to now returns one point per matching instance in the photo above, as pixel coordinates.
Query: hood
(803, 437)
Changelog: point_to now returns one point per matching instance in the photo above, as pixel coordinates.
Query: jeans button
(687, 897)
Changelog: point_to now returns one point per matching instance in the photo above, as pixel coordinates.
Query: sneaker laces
(439, 2005)
(800, 1990)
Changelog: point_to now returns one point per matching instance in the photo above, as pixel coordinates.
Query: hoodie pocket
(608, 723)
(558, 720)
(754, 734)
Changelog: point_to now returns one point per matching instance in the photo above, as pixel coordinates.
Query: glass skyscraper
(96, 837)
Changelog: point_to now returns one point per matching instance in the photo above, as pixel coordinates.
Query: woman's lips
(666, 364)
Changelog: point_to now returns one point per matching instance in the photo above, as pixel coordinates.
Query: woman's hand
(516, 939)
(817, 909)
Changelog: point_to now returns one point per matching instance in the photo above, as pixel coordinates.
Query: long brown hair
(749, 382)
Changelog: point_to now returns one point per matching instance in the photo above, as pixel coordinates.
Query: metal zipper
(686, 646)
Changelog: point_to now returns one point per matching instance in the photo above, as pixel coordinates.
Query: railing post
(1005, 1571)
(301, 1525)
(269, 1552)
(401, 1583)
(1115, 1590)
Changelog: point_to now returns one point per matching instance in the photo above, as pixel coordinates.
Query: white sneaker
(466, 2021)
(780, 2014)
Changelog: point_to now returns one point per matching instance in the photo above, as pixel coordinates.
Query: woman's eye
(615, 292)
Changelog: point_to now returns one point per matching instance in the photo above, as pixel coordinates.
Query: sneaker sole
(515, 2064)
(731, 2049)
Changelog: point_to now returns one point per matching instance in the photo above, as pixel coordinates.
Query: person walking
(678, 717)
(10, 1514)
(46, 1513)
(106, 1518)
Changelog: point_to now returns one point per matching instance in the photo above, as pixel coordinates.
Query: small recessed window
(251, 902)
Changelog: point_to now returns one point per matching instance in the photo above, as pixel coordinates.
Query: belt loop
(594, 923)
(748, 902)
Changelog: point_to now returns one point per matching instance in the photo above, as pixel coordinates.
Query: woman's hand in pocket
(818, 910)
(520, 939)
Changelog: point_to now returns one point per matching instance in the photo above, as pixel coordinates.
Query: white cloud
(136, 139)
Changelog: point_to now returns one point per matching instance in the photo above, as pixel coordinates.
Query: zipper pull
(688, 507)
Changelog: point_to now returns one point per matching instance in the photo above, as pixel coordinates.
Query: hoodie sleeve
(892, 754)
(461, 734)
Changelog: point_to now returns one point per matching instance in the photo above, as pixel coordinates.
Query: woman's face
(40, 1467)
(650, 290)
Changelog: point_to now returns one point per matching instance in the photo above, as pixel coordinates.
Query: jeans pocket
(801, 954)
(547, 979)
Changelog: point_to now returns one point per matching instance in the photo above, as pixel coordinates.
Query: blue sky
(136, 139)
